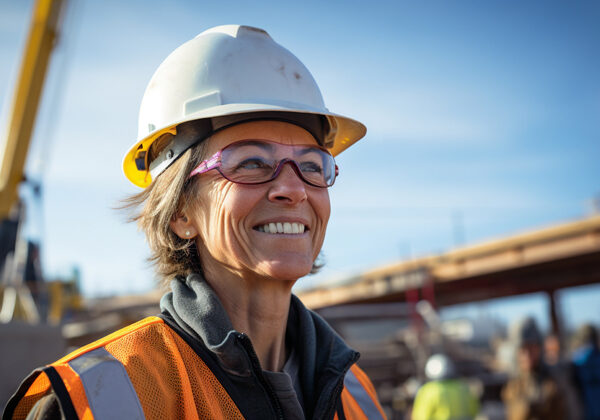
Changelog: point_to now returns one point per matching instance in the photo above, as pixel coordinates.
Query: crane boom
(16, 139)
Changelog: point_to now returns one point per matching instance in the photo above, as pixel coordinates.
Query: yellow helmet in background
(226, 75)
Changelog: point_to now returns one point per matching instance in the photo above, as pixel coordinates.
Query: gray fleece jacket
(193, 309)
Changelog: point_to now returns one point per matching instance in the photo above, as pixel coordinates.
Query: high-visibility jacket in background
(153, 370)
(447, 399)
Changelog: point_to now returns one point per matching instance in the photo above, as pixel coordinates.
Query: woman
(235, 155)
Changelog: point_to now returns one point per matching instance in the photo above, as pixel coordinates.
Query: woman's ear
(182, 226)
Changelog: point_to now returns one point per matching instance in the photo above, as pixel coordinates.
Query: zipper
(247, 344)
(333, 404)
(337, 390)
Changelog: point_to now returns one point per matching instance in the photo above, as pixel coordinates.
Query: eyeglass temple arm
(207, 165)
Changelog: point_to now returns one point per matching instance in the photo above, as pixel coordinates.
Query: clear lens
(253, 162)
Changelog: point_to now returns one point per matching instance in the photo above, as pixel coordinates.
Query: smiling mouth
(282, 227)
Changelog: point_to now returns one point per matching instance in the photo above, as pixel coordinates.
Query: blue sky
(482, 115)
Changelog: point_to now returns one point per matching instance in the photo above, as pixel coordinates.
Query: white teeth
(282, 227)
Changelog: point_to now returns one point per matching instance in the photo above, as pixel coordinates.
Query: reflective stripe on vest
(366, 404)
(109, 391)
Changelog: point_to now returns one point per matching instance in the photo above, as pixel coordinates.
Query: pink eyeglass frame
(214, 162)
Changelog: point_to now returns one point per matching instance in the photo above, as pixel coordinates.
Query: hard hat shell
(438, 367)
(229, 70)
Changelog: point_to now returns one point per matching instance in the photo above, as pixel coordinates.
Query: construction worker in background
(563, 372)
(235, 155)
(445, 396)
(586, 367)
(533, 392)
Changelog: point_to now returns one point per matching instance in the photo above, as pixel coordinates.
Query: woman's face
(227, 216)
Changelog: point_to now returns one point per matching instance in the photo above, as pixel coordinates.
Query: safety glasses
(260, 161)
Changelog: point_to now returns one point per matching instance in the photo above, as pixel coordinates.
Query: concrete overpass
(544, 260)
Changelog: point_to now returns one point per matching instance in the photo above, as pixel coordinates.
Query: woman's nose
(287, 186)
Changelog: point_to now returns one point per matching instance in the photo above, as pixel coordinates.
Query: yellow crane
(14, 147)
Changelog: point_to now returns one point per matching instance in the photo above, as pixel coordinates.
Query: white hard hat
(226, 75)
(438, 367)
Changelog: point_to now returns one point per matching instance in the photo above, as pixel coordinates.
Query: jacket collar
(196, 308)
(324, 356)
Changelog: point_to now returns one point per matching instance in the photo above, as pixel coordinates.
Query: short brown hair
(155, 207)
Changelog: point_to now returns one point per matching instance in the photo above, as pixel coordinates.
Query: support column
(555, 312)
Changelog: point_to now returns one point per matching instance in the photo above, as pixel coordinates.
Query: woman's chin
(285, 270)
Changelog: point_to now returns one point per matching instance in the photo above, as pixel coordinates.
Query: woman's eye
(311, 167)
(253, 163)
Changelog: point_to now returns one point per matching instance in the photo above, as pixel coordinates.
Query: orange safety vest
(147, 370)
